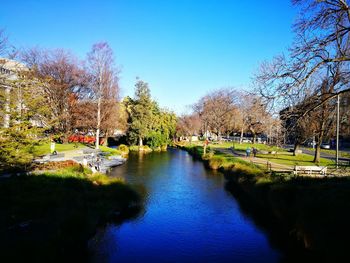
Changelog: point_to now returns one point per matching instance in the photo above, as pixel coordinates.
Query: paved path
(326, 156)
(77, 155)
(259, 161)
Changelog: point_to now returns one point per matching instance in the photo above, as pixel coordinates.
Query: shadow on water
(307, 219)
(278, 234)
(50, 218)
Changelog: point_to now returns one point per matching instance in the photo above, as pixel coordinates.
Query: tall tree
(141, 110)
(104, 83)
(60, 73)
(322, 43)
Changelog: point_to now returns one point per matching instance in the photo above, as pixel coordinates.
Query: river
(188, 216)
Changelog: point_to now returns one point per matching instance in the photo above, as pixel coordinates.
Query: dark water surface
(188, 217)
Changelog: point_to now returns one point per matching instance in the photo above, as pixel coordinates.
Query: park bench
(322, 170)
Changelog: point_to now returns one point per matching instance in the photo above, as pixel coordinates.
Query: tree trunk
(140, 142)
(97, 146)
(317, 153)
(105, 142)
(319, 140)
(6, 122)
(296, 148)
(241, 139)
(254, 138)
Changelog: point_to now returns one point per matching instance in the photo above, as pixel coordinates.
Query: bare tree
(104, 83)
(215, 108)
(322, 42)
(254, 114)
(188, 125)
(3, 42)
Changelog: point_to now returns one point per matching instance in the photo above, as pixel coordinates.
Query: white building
(10, 71)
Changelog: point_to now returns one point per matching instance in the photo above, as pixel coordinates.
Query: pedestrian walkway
(259, 161)
(86, 156)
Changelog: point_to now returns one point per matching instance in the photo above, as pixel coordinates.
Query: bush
(216, 162)
(156, 139)
(145, 148)
(134, 148)
(123, 148)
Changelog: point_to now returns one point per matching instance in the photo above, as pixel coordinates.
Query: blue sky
(182, 48)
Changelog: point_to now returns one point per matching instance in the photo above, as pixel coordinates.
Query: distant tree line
(227, 112)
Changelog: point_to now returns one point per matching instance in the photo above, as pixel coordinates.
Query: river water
(188, 216)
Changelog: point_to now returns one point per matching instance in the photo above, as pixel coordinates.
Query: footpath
(92, 158)
(259, 161)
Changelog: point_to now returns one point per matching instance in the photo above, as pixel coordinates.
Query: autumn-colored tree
(188, 125)
(61, 75)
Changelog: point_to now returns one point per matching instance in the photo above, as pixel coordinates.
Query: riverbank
(311, 211)
(49, 216)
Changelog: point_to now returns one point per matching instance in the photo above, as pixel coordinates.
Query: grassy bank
(225, 162)
(49, 217)
(313, 212)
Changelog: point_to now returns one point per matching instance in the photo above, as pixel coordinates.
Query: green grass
(283, 157)
(44, 148)
(49, 217)
(110, 151)
(288, 159)
(226, 163)
(244, 146)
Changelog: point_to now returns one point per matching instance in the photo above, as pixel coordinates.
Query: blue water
(188, 217)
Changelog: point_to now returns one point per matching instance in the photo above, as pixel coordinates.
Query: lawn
(110, 151)
(288, 159)
(244, 146)
(44, 148)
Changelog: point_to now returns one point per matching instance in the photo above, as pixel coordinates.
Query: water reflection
(188, 217)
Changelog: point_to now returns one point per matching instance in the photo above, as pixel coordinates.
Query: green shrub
(123, 148)
(134, 148)
(145, 148)
(216, 162)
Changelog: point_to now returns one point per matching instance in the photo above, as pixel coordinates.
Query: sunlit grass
(44, 147)
(241, 147)
(288, 159)
(110, 151)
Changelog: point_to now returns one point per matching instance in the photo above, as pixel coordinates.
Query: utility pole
(337, 135)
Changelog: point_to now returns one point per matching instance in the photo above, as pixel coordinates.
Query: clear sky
(182, 48)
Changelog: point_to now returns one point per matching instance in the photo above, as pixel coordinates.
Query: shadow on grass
(307, 218)
(48, 218)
